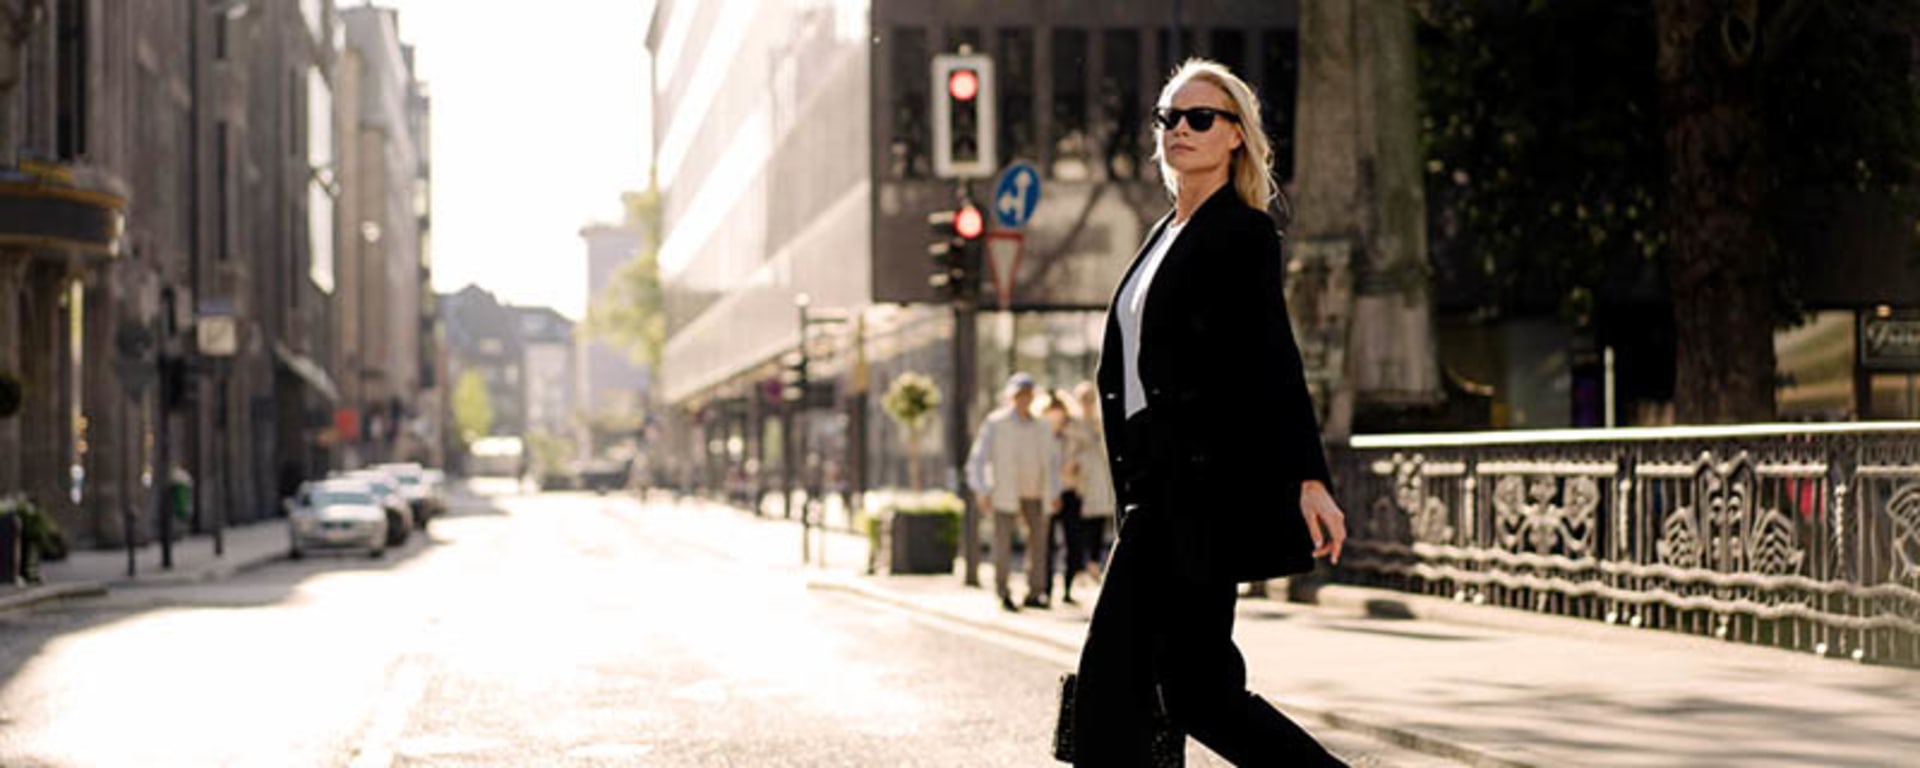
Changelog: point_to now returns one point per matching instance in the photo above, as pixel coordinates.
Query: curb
(219, 571)
(1395, 735)
(47, 593)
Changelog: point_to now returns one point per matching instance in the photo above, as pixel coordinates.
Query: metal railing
(1799, 536)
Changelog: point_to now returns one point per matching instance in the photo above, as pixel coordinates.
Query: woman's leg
(1114, 698)
(1074, 544)
(1205, 681)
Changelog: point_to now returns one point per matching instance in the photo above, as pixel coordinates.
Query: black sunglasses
(1199, 118)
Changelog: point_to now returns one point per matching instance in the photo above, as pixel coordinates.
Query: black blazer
(1234, 433)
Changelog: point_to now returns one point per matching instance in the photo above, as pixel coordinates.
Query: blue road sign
(1017, 194)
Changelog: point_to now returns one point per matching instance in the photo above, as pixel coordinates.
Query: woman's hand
(1325, 522)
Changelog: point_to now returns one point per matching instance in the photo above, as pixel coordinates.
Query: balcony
(61, 212)
(1804, 537)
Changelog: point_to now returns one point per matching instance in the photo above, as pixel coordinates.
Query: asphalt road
(560, 629)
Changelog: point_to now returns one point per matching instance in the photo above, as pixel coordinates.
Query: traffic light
(955, 249)
(963, 116)
(793, 377)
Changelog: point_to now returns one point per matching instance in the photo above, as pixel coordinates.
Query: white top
(1133, 305)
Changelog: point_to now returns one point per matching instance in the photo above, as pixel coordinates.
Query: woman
(1067, 507)
(1215, 488)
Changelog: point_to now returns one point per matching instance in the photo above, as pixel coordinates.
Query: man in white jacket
(1013, 470)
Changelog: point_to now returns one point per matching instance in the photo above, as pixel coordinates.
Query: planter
(924, 541)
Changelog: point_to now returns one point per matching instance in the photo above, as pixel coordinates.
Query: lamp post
(796, 396)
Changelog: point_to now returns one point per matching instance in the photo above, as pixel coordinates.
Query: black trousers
(1067, 530)
(1160, 654)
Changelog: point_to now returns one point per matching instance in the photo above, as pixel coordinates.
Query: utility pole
(958, 420)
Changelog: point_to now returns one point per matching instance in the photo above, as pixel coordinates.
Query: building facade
(483, 338)
(548, 373)
(383, 328)
(169, 296)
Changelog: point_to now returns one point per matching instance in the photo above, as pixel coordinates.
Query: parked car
(400, 521)
(604, 475)
(336, 514)
(421, 493)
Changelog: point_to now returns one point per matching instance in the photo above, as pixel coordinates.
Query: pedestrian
(1215, 487)
(1096, 481)
(1011, 469)
(1065, 525)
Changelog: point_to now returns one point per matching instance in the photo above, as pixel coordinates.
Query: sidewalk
(1491, 696)
(1499, 688)
(86, 573)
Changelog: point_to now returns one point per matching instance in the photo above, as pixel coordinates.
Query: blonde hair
(1252, 173)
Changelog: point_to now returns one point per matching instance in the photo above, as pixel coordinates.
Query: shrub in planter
(923, 531)
(38, 537)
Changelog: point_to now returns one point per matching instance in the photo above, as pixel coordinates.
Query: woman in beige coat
(1096, 479)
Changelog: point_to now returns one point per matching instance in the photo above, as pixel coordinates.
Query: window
(1013, 57)
(1069, 139)
(967, 36)
(72, 87)
(1120, 104)
(1229, 47)
(907, 156)
(220, 35)
(1175, 49)
(1279, 86)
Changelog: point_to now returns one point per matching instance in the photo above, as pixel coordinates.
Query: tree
(910, 401)
(1571, 142)
(1358, 268)
(631, 312)
(1722, 257)
(472, 406)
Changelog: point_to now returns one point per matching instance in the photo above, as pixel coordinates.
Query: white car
(420, 491)
(400, 519)
(336, 514)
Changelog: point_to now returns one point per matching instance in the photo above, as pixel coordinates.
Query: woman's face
(1190, 151)
(1057, 417)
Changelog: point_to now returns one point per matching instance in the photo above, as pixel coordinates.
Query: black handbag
(1063, 727)
(1167, 750)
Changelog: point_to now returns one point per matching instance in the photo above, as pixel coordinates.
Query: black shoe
(1007, 603)
(1035, 602)
(1068, 599)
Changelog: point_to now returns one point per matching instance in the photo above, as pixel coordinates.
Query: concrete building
(794, 151)
(283, 53)
(612, 384)
(381, 317)
(483, 337)
(548, 372)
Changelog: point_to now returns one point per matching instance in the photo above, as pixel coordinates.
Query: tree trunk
(913, 459)
(1357, 281)
(1721, 270)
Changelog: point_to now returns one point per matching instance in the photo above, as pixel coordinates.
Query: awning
(308, 371)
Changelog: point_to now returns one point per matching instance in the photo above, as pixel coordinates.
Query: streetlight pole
(797, 398)
(797, 436)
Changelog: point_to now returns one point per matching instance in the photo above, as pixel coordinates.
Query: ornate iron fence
(1800, 536)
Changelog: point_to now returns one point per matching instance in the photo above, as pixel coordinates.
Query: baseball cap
(1017, 382)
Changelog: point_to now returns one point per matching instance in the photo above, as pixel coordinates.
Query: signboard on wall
(1890, 341)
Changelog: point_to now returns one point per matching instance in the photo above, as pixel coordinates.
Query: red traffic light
(968, 223)
(963, 84)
